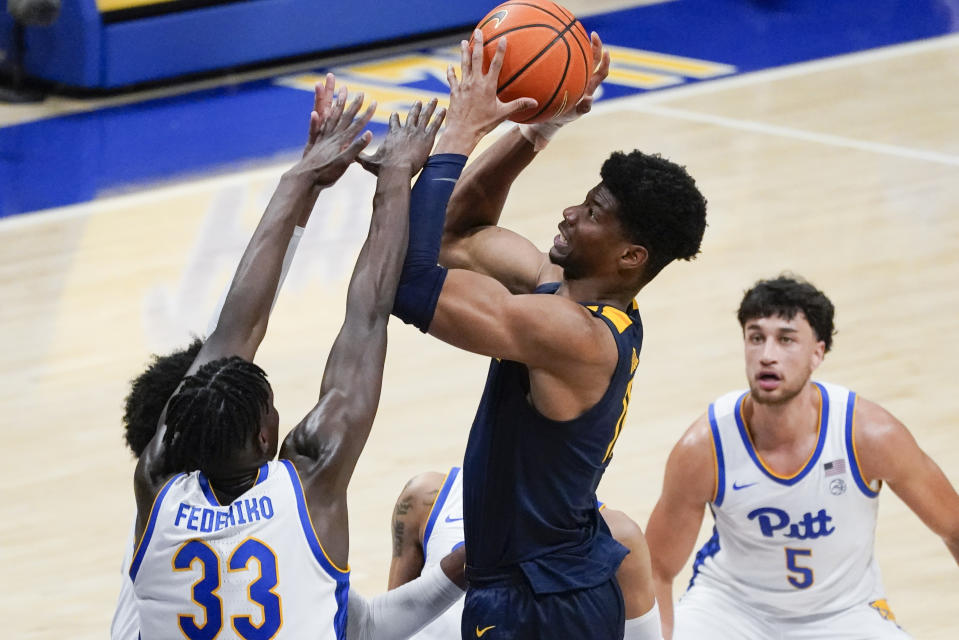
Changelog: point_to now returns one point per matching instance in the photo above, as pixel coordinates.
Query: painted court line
(750, 78)
(797, 134)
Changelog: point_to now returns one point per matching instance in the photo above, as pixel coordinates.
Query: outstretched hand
(600, 71)
(332, 144)
(408, 143)
(475, 109)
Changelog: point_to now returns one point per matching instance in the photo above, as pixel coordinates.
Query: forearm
(254, 286)
(481, 192)
(422, 280)
(380, 262)
(402, 612)
(664, 599)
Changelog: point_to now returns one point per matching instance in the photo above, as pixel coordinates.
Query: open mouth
(768, 380)
(561, 240)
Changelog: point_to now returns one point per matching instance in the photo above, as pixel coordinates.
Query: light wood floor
(844, 172)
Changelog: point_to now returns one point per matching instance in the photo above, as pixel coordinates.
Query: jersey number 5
(805, 578)
(260, 591)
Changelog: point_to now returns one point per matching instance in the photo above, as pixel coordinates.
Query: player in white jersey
(233, 549)
(390, 616)
(427, 525)
(791, 470)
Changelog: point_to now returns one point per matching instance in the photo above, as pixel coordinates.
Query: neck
(229, 485)
(591, 290)
(778, 425)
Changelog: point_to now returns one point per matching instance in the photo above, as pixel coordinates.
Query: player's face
(781, 355)
(590, 236)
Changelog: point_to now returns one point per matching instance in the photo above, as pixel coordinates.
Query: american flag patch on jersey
(835, 468)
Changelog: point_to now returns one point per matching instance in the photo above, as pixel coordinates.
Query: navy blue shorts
(514, 612)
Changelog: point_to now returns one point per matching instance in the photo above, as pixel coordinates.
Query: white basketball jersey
(250, 569)
(791, 546)
(126, 621)
(443, 533)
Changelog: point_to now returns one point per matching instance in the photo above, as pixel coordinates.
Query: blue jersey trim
(207, 491)
(720, 459)
(708, 550)
(151, 524)
(307, 524)
(851, 449)
(810, 464)
(262, 474)
(438, 503)
(341, 595)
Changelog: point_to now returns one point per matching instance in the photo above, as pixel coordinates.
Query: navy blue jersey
(529, 483)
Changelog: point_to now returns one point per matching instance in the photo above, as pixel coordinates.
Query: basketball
(548, 56)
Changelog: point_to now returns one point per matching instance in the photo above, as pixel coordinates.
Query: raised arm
(246, 310)
(410, 513)
(888, 452)
(326, 445)
(473, 311)
(675, 521)
(472, 238)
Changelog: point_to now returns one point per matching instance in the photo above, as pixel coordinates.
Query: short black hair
(216, 411)
(659, 205)
(149, 393)
(785, 296)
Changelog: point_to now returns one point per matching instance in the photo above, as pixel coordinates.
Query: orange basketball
(548, 56)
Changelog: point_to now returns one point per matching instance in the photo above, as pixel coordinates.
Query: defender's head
(221, 419)
(646, 212)
(787, 327)
(149, 392)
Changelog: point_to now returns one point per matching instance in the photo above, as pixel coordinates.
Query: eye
(755, 338)
(785, 339)
(592, 213)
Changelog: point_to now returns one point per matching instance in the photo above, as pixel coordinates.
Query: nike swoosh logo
(449, 519)
(481, 632)
(737, 487)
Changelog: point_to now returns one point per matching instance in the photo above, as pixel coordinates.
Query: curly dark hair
(785, 296)
(659, 205)
(149, 393)
(216, 411)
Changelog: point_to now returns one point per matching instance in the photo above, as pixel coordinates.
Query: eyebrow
(756, 327)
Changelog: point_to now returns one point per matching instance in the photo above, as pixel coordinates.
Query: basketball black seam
(562, 80)
(559, 36)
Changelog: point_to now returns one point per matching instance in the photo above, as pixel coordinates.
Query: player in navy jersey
(194, 572)
(541, 562)
(791, 470)
(427, 524)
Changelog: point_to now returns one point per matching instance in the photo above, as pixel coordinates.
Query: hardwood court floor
(842, 171)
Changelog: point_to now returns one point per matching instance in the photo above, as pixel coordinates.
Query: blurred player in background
(222, 421)
(427, 524)
(541, 561)
(791, 470)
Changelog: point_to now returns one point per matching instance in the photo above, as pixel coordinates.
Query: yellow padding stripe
(619, 318)
(115, 5)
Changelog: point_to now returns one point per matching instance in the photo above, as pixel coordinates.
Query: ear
(263, 440)
(634, 256)
(818, 354)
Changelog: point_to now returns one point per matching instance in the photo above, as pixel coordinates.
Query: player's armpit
(887, 451)
(502, 254)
